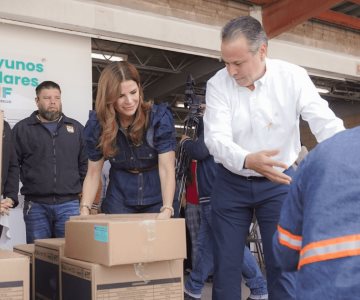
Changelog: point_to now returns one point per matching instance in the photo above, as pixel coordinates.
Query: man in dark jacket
(9, 174)
(52, 162)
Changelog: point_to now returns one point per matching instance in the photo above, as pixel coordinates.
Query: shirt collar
(261, 81)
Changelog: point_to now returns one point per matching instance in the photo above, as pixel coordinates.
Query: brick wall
(218, 12)
(213, 12)
(326, 37)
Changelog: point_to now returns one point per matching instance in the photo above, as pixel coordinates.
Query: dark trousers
(234, 200)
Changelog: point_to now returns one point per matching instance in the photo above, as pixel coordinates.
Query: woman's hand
(164, 215)
(84, 210)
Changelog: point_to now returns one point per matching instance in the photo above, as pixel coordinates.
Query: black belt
(254, 178)
(141, 170)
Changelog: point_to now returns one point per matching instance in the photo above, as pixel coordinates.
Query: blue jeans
(192, 220)
(204, 263)
(44, 221)
(234, 200)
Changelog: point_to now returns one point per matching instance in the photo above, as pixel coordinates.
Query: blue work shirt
(319, 227)
(125, 187)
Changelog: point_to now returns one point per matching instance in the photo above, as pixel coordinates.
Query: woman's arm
(167, 180)
(90, 186)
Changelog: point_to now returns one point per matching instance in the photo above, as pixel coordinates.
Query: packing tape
(150, 227)
(139, 269)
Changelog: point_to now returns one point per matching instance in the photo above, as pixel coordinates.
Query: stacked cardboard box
(89, 281)
(123, 257)
(14, 276)
(125, 239)
(29, 251)
(48, 253)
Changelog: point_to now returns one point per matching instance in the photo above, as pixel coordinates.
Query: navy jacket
(206, 166)
(319, 227)
(10, 167)
(52, 166)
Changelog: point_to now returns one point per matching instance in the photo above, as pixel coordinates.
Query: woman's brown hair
(108, 92)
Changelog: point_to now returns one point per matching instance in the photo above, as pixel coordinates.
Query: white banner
(18, 80)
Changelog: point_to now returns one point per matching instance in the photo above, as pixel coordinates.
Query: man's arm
(17, 143)
(83, 157)
(315, 110)
(195, 149)
(11, 185)
(218, 131)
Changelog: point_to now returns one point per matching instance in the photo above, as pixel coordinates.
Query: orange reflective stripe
(330, 249)
(331, 242)
(288, 239)
(329, 256)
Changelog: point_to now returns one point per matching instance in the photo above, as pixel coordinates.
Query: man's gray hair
(248, 27)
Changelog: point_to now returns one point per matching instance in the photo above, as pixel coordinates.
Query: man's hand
(5, 206)
(262, 163)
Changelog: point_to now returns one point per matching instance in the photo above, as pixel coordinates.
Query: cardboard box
(14, 276)
(88, 281)
(29, 251)
(116, 216)
(125, 239)
(47, 268)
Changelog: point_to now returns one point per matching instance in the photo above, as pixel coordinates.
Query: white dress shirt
(239, 121)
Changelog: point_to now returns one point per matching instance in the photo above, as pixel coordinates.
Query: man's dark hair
(248, 27)
(46, 85)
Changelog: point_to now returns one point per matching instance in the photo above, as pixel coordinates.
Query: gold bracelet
(167, 207)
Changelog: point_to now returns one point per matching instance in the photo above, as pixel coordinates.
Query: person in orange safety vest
(319, 228)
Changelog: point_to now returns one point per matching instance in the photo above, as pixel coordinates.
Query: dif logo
(5, 91)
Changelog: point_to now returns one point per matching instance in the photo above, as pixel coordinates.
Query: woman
(138, 139)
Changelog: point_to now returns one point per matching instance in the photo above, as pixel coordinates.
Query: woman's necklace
(127, 126)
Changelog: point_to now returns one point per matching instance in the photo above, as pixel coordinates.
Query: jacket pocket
(145, 152)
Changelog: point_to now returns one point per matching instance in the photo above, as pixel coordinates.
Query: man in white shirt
(252, 129)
